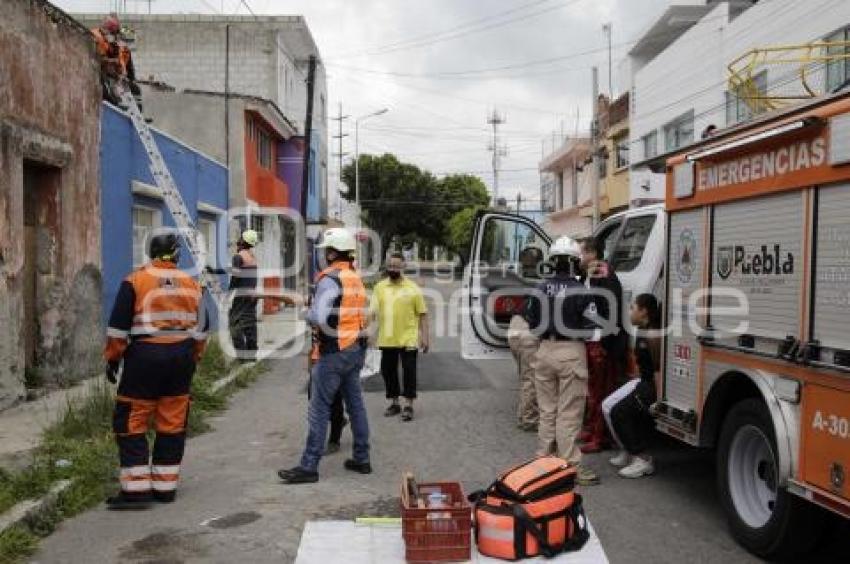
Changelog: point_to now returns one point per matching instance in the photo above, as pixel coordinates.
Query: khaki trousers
(523, 346)
(560, 377)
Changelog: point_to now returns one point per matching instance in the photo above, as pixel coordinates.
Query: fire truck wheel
(764, 518)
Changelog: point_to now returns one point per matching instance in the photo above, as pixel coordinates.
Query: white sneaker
(623, 458)
(638, 467)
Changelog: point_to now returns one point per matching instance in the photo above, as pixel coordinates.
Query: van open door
(506, 259)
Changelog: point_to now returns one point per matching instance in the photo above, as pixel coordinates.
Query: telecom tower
(496, 119)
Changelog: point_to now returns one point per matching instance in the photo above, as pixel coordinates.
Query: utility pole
(518, 202)
(308, 134)
(496, 119)
(609, 31)
(594, 139)
(340, 155)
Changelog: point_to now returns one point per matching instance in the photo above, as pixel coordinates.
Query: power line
(520, 65)
(461, 31)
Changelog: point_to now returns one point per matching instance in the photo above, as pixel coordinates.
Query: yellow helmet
(250, 237)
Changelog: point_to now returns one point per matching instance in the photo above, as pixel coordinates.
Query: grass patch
(80, 447)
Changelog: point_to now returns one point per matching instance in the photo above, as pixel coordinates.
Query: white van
(634, 246)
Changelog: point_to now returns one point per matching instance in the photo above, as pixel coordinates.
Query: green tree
(459, 232)
(462, 191)
(401, 200)
(389, 190)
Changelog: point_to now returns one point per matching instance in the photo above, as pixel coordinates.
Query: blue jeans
(337, 371)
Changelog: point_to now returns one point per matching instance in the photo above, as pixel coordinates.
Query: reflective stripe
(136, 485)
(164, 486)
(148, 330)
(165, 316)
(494, 533)
(135, 471)
(169, 470)
(116, 333)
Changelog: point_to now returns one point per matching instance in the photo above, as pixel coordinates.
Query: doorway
(41, 254)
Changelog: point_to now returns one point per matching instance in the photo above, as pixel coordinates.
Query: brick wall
(50, 231)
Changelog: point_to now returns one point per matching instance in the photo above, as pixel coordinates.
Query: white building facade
(680, 75)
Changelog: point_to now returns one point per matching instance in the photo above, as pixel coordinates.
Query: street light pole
(357, 161)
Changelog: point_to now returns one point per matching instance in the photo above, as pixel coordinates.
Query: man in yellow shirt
(402, 319)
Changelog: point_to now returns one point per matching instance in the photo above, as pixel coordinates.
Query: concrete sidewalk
(22, 426)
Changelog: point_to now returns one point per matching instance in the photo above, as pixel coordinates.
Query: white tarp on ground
(328, 542)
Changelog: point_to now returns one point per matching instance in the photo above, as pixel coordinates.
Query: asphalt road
(232, 508)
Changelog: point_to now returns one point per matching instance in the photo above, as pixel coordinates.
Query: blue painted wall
(123, 160)
(290, 169)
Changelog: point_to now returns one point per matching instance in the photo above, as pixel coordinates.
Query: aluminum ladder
(173, 200)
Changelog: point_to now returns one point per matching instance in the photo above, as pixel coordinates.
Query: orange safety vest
(167, 309)
(105, 49)
(348, 319)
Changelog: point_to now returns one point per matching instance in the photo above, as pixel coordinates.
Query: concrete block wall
(49, 138)
(268, 58)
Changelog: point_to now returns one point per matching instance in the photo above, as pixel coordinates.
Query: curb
(29, 509)
(233, 375)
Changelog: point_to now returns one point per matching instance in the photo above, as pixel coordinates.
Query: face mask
(394, 274)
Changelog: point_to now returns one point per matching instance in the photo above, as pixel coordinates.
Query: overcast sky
(430, 62)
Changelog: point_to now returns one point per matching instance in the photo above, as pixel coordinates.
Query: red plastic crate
(441, 534)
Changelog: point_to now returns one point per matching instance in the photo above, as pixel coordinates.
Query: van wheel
(763, 517)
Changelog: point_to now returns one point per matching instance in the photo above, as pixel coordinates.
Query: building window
(145, 221)
(838, 65)
(650, 144)
(739, 106)
(679, 132)
(621, 149)
(209, 230)
(262, 143)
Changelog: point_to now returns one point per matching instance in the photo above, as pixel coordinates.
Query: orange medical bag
(530, 510)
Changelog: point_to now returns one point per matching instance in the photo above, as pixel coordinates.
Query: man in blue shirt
(338, 316)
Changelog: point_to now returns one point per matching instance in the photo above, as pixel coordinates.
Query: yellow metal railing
(788, 73)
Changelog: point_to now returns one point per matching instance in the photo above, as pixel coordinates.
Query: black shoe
(122, 502)
(164, 497)
(407, 413)
(359, 467)
(392, 410)
(332, 448)
(298, 475)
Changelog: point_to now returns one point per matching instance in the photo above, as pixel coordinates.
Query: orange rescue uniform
(158, 328)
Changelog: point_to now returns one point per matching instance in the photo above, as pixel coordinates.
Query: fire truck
(750, 255)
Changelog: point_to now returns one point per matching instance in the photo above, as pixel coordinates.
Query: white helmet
(250, 237)
(339, 239)
(565, 247)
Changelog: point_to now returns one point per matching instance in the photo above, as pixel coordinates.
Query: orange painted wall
(263, 186)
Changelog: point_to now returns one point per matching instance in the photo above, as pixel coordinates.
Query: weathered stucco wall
(49, 123)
